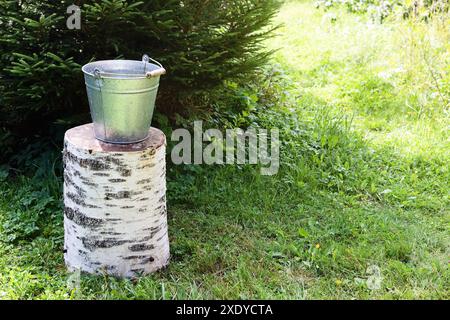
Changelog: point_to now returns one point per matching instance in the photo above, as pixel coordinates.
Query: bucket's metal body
(122, 96)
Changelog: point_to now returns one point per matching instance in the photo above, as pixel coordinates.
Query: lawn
(359, 209)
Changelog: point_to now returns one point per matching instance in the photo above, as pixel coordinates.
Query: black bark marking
(81, 192)
(119, 195)
(144, 199)
(145, 166)
(135, 257)
(77, 199)
(110, 268)
(81, 219)
(117, 180)
(82, 253)
(115, 160)
(127, 207)
(124, 172)
(146, 260)
(160, 238)
(122, 194)
(67, 177)
(154, 230)
(100, 174)
(141, 247)
(92, 244)
(92, 164)
(144, 181)
(138, 271)
(87, 182)
(150, 154)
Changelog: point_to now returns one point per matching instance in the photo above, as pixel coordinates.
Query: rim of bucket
(121, 76)
(105, 140)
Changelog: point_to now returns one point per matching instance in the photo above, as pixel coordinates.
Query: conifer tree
(201, 43)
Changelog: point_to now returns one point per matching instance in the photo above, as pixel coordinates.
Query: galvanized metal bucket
(122, 96)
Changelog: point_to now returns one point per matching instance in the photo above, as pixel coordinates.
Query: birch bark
(115, 217)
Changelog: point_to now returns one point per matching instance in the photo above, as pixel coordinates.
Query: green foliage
(380, 9)
(359, 6)
(363, 181)
(31, 211)
(201, 44)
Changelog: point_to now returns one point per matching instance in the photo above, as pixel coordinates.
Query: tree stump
(115, 217)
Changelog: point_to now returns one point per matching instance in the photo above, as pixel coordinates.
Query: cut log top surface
(83, 137)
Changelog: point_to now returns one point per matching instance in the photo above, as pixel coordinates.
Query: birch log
(115, 217)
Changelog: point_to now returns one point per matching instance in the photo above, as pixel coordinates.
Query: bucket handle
(155, 73)
(97, 74)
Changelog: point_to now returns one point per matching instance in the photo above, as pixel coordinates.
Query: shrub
(201, 44)
(380, 9)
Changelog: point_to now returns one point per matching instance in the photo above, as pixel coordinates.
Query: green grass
(364, 180)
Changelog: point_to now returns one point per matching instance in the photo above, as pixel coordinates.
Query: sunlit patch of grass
(393, 76)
